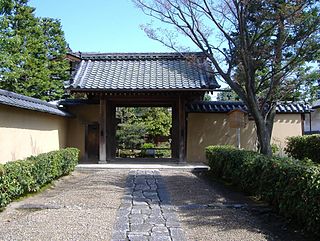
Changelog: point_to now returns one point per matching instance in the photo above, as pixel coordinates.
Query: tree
(303, 87)
(135, 124)
(207, 97)
(228, 95)
(157, 121)
(32, 52)
(254, 46)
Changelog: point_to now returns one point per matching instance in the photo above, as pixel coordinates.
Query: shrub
(20, 177)
(148, 150)
(275, 148)
(302, 147)
(291, 186)
(147, 146)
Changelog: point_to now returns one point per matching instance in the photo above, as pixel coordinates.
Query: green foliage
(18, 178)
(275, 148)
(302, 147)
(32, 52)
(148, 146)
(157, 121)
(130, 135)
(228, 94)
(207, 97)
(138, 123)
(258, 47)
(164, 150)
(303, 85)
(291, 186)
(148, 150)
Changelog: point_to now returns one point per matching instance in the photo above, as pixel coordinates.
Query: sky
(100, 25)
(103, 26)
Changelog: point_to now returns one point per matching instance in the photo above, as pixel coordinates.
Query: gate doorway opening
(143, 132)
(111, 112)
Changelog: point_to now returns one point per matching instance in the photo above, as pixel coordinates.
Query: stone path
(146, 212)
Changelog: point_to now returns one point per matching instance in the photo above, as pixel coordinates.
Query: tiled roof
(141, 71)
(226, 106)
(21, 101)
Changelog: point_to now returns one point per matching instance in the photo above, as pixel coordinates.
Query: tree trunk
(264, 126)
(264, 138)
(264, 123)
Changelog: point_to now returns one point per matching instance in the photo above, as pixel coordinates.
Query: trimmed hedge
(20, 177)
(289, 185)
(302, 147)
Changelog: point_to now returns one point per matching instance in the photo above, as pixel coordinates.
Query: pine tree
(32, 52)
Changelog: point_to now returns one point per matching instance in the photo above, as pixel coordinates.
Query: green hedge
(20, 177)
(291, 186)
(302, 147)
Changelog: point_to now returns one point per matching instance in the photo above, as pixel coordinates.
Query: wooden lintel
(152, 93)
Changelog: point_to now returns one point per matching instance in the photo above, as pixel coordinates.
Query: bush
(20, 177)
(148, 146)
(291, 186)
(301, 147)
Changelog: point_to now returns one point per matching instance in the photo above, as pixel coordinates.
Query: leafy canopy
(257, 47)
(32, 52)
(141, 123)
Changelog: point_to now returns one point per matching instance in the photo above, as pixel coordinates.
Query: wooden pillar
(175, 131)
(110, 131)
(182, 130)
(112, 136)
(102, 142)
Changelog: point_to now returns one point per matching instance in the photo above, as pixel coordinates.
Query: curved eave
(141, 90)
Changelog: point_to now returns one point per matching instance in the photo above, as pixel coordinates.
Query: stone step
(197, 167)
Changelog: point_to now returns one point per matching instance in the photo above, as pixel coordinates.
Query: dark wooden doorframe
(178, 123)
(92, 142)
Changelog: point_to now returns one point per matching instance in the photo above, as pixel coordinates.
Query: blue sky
(100, 25)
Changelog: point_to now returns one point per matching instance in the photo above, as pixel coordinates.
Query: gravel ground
(81, 206)
(84, 205)
(210, 211)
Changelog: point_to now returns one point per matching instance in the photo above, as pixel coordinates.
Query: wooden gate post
(103, 138)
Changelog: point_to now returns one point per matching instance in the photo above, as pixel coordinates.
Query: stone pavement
(146, 212)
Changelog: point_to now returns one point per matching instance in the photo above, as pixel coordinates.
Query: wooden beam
(111, 130)
(141, 99)
(108, 131)
(175, 131)
(112, 136)
(102, 129)
(182, 129)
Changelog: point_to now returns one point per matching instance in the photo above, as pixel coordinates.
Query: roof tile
(226, 106)
(140, 72)
(25, 102)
